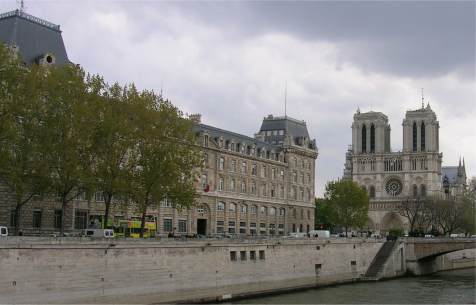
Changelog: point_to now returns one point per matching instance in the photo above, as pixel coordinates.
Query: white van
(320, 233)
(100, 233)
(3, 231)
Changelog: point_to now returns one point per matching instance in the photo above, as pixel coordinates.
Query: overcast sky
(230, 62)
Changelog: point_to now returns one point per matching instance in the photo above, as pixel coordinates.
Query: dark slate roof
(293, 127)
(450, 172)
(215, 132)
(33, 36)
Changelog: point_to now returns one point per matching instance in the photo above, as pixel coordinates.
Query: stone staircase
(379, 261)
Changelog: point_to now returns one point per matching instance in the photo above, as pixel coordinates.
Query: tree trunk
(17, 217)
(346, 229)
(142, 223)
(63, 207)
(107, 202)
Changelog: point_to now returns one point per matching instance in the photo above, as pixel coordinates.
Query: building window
(261, 254)
(281, 173)
(231, 227)
(243, 186)
(415, 191)
(243, 255)
(205, 160)
(364, 139)
(414, 136)
(232, 165)
(372, 138)
(168, 225)
(242, 227)
(220, 226)
(203, 181)
(272, 211)
(205, 141)
(182, 226)
(80, 220)
(253, 187)
(243, 168)
(308, 215)
(233, 256)
(263, 172)
(294, 177)
(99, 196)
(253, 209)
(232, 185)
(272, 229)
(253, 228)
(253, 169)
(422, 136)
(232, 207)
(273, 173)
(281, 229)
(253, 255)
(372, 191)
(166, 203)
(58, 217)
(282, 212)
(263, 190)
(221, 184)
(220, 206)
(262, 228)
(221, 163)
(244, 209)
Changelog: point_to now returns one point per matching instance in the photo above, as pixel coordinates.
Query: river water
(448, 287)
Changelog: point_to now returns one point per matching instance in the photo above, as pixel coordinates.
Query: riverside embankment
(62, 270)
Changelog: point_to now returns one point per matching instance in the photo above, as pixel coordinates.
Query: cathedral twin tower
(392, 177)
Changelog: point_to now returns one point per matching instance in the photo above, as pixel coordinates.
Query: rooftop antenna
(285, 98)
(422, 99)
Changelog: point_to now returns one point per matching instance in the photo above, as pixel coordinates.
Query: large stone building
(392, 177)
(249, 185)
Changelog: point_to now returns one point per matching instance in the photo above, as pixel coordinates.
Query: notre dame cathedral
(392, 177)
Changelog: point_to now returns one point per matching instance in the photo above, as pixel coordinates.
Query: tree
(469, 212)
(323, 214)
(415, 211)
(112, 141)
(165, 157)
(349, 202)
(446, 215)
(65, 133)
(21, 166)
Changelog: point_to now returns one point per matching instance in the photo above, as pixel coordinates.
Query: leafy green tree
(112, 141)
(349, 203)
(324, 215)
(21, 167)
(165, 156)
(65, 133)
(468, 220)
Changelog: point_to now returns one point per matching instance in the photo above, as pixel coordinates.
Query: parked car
(3, 231)
(429, 236)
(99, 233)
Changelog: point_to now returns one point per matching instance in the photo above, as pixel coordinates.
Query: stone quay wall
(74, 270)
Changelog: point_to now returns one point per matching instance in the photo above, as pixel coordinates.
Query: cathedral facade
(391, 177)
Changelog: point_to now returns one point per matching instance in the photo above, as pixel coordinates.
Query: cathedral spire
(422, 99)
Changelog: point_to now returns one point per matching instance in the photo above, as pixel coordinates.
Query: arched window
(423, 190)
(422, 136)
(372, 138)
(414, 136)
(415, 191)
(220, 206)
(364, 139)
(372, 191)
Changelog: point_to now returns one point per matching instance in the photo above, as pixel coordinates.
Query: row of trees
(64, 132)
(440, 215)
(345, 205)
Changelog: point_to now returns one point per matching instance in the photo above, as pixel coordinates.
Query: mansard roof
(34, 37)
(215, 132)
(292, 127)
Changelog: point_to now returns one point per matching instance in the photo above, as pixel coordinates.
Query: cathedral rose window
(393, 187)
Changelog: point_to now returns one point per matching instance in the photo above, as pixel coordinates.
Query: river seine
(449, 287)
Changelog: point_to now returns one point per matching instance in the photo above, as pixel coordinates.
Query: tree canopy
(65, 132)
(348, 204)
